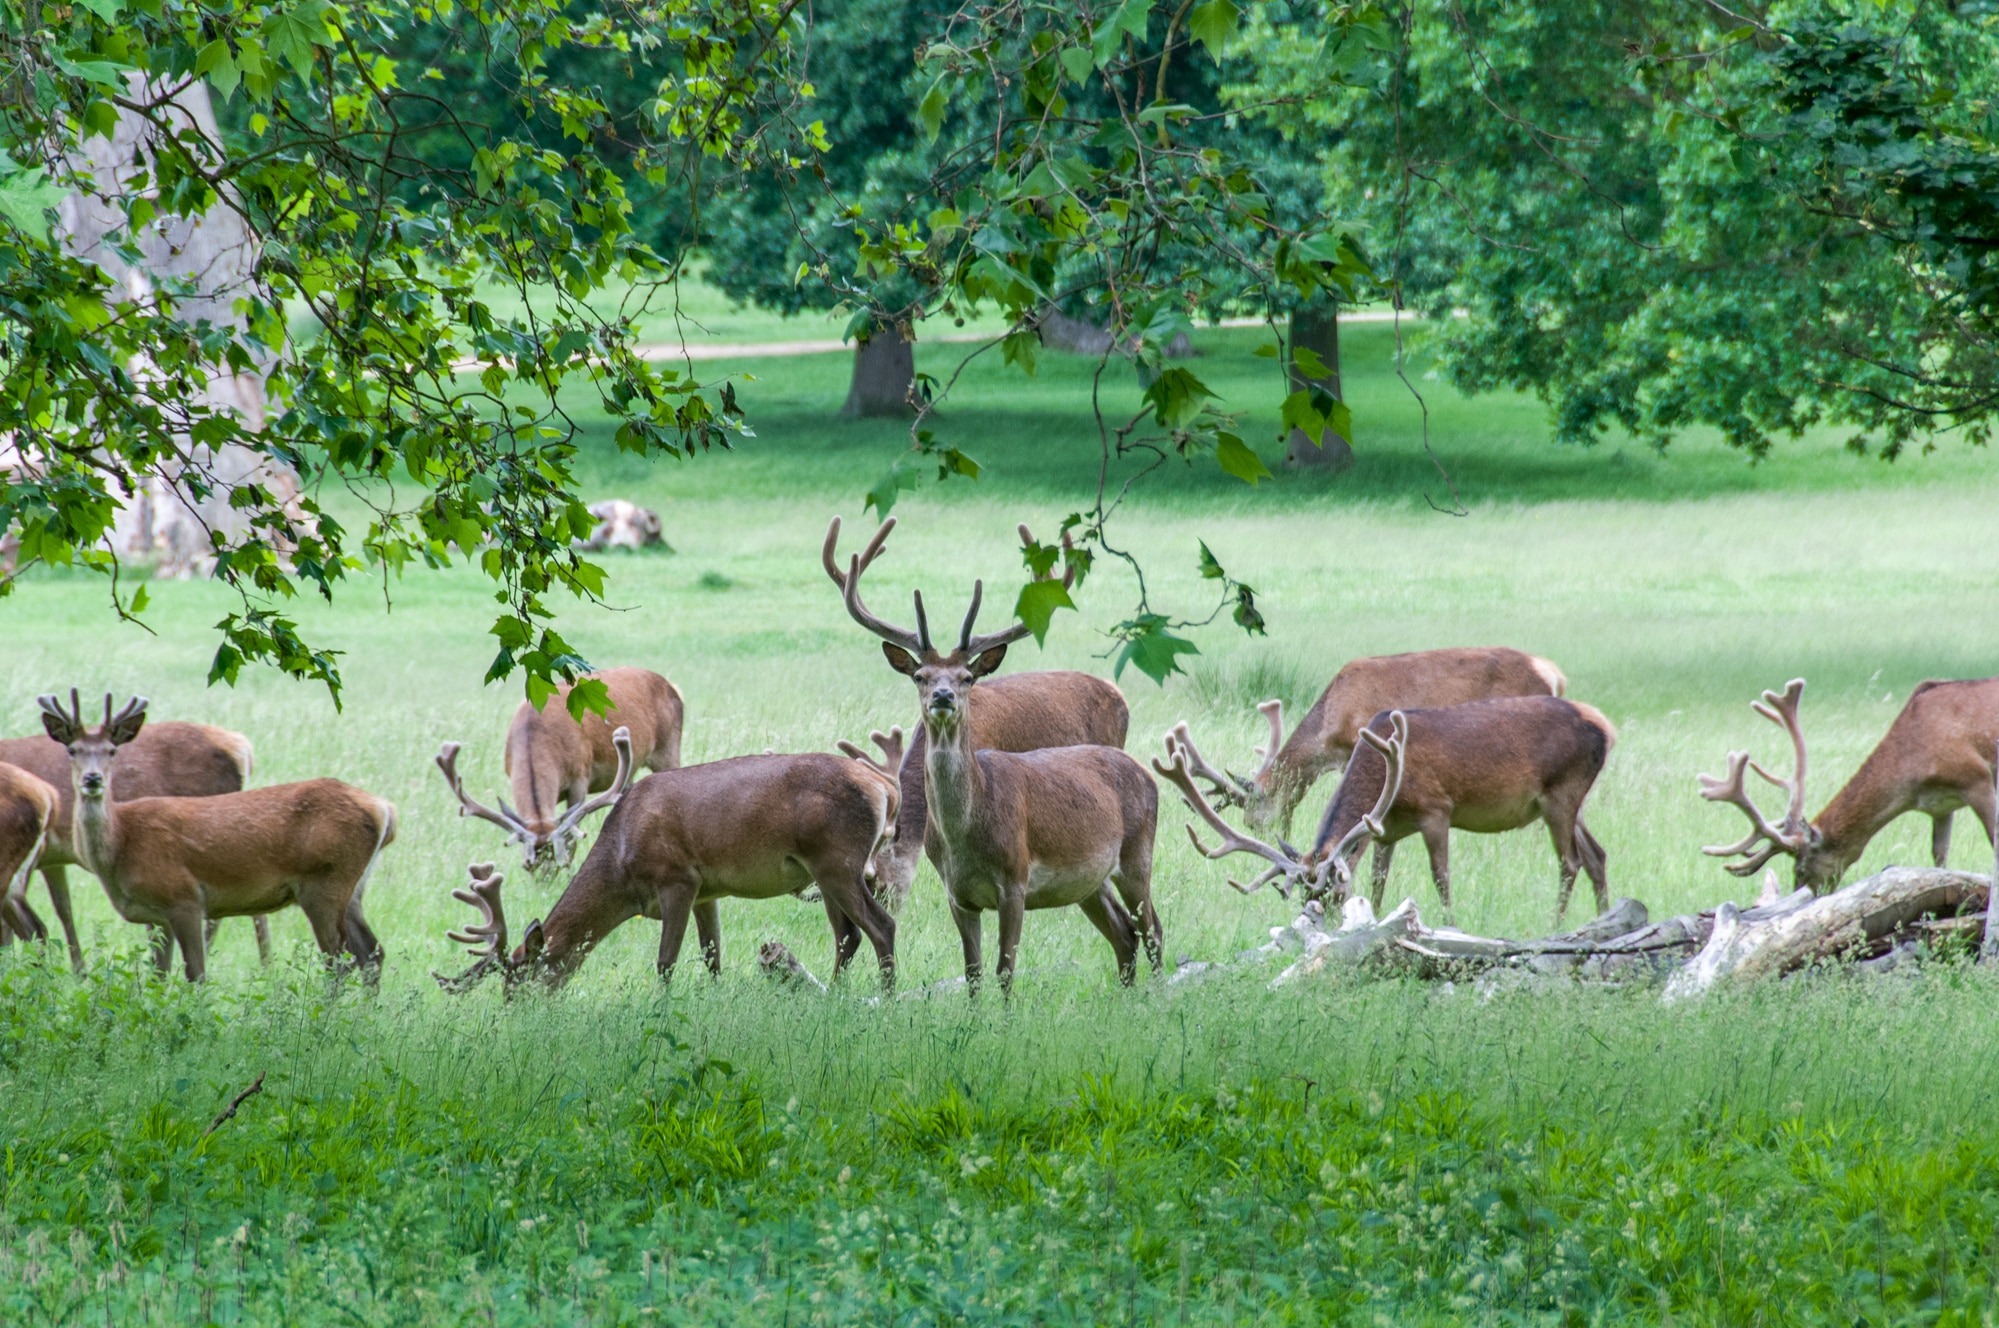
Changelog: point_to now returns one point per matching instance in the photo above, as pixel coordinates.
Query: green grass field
(723, 1153)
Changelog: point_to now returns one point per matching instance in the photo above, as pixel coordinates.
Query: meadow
(726, 1152)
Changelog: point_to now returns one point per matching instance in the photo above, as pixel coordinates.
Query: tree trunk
(1317, 328)
(884, 372)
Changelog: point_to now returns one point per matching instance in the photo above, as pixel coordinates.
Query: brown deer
(28, 807)
(168, 759)
(1937, 756)
(1363, 688)
(1013, 831)
(553, 759)
(1487, 767)
(748, 827)
(1020, 712)
(177, 862)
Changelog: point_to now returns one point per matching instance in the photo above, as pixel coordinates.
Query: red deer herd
(1017, 789)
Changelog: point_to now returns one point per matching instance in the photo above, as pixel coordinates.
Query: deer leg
(675, 903)
(161, 942)
(1012, 914)
(262, 924)
(1596, 862)
(57, 879)
(1437, 839)
(968, 924)
(329, 923)
(1384, 857)
(846, 936)
(1109, 917)
(1562, 831)
(851, 903)
(1940, 838)
(362, 943)
(708, 931)
(185, 923)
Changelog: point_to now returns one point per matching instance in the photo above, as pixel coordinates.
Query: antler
(1788, 836)
(892, 748)
(72, 719)
(622, 740)
(487, 937)
(1273, 711)
(447, 761)
(1393, 749)
(1284, 869)
(970, 646)
(850, 588)
(1227, 788)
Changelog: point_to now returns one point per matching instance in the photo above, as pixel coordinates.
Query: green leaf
(1076, 62)
(1237, 458)
(1211, 567)
(588, 696)
(1037, 604)
(104, 9)
(24, 195)
(140, 600)
(292, 34)
(1212, 23)
(930, 111)
(1267, 351)
(1131, 17)
(1309, 363)
(890, 486)
(1153, 650)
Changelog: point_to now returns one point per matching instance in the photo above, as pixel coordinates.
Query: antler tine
(132, 707)
(487, 937)
(1729, 789)
(922, 623)
(1175, 772)
(107, 710)
(849, 583)
(1393, 750)
(1783, 710)
(622, 740)
(1273, 711)
(76, 709)
(971, 617)
(1227, 788)
(447, 762)
(892, 748)
(1068, 547)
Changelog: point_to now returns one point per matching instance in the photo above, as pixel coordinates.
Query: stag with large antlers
(177, 862)
(1325, 738)
(1017, 712)
(1014, 831)
(1332, 871)
(552, 759)
(168, 759)
(1937, 756)
(750, 827)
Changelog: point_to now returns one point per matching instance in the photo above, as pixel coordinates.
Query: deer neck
(94, 834)
(1860, 810)
(951, 774)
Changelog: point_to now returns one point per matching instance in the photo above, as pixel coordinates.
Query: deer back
(549, 752)
(1484, 763)
(1055, 808)
(28, 805)
(1943, 741)
(167, 759)
(1424, 680)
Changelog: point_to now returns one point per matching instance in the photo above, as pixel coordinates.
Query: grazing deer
(1012, 831)
(1333, 870)
(1020, 712)
(176, 862)
(552, 759)
(749, 827)
(1937, 756)
(28, 807)
(1363, 688)
(1487, 767)
(168, 759)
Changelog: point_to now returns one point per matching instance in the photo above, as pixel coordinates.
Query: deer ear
(56, 726)
(988, 660)
(899, 659)
(533, 942)
(127, 728)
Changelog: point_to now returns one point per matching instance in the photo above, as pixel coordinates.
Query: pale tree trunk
(884, 372)
(1317, 328)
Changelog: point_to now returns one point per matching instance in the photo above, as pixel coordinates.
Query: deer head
(555, 845)
(91, 751)
(487, 938)
(943, 681)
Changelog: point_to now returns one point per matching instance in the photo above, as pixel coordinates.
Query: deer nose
(93, 783)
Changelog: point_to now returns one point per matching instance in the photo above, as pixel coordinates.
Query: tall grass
(1206, 1153)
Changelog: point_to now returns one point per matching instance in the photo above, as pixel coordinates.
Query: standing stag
(750, 827)
(1937, 756)
(1013, 831)
(1324, 739)
(28, 807)
(177, 862)
(1020, 712)
(552, 759)
(1487, 767)
(168, 759)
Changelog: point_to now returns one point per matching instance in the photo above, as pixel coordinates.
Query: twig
(230, 1111)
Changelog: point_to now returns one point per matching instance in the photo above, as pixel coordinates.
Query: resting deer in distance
(1936, 757)
(177, 862)
(1013, 831)
(1017, 712)
(28, 808)
(748, 827)
(553, 759)
(1333, 871)
(1363, 688)
(168, 759)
